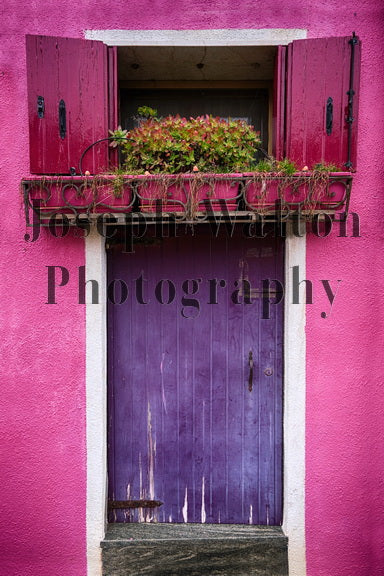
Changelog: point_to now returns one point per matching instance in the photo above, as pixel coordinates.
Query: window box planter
(80, 195)
(304, 191)
(188, 193)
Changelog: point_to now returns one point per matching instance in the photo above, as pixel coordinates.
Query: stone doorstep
(194, 550)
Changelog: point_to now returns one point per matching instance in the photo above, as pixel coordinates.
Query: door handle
(250, 377)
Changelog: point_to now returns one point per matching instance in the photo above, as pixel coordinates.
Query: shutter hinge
(350, 93)
(329, 116)
(40, 107)
(354, 40)
(62, 119)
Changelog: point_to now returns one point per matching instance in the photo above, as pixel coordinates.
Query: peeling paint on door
(203, 514)
(185, 507)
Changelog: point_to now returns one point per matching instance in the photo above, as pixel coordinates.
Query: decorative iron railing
(187, 197)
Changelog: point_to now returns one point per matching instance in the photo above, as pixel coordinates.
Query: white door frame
(294, 333)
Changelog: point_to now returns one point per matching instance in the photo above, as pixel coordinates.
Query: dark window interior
(225, 81)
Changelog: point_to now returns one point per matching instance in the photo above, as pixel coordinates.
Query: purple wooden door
(190, 426)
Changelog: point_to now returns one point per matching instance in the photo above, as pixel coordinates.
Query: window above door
(74, 87)
(303, 98)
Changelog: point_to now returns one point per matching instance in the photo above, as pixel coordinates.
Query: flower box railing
(187, 197)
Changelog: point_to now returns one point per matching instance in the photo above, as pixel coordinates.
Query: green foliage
(269, 164)
(205, 144)
(265, 165)
(119, 135)
(146, 112)
(178, 145)
(286, 167)
(326, 167)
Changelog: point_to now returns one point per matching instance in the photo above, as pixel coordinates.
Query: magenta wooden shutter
(278, 117)
(113, 103)
(67, 103)
(318, 76)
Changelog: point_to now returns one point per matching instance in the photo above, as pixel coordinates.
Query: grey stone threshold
(194, 550)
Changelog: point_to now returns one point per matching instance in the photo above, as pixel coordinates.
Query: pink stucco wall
(42, 400)
(345, 363)
(42, 423)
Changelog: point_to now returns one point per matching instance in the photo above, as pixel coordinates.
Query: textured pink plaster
(43, 370)
(42, 400)
(345, 367)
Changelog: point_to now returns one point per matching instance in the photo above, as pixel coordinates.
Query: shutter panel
(70, 73)
(318, 73)
(113, 104)
(278, 117)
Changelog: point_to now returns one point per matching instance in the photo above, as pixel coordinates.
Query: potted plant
(144, 113)
(181, 163)
(176, 164)
(323, 187)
